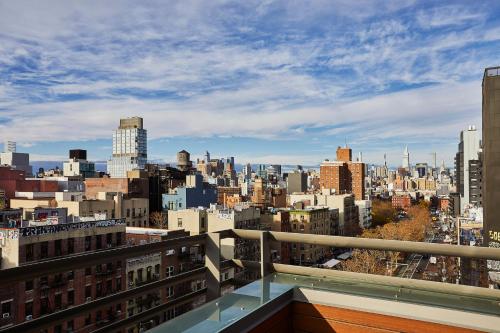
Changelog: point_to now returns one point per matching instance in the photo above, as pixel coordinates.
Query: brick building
(12, 180)
(26, 300)
(401, 201)
(343, 175)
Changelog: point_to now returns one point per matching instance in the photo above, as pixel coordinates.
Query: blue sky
(264, 81)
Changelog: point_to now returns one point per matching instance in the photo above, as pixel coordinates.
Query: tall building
(406, 159)
(467, 166)
(129, 148)
(491, 156)
(343, 175)
(297, 182)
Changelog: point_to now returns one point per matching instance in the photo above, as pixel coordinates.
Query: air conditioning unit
(29, 317)
(130, 284)
(118, 312)
(88, 299)
(6, 315)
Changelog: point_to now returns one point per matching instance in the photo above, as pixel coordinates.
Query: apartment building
(47, 294)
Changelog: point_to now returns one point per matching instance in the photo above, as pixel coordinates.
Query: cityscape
(269, 210)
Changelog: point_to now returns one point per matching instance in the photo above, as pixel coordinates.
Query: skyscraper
(491, 156)
(406, 159)
(466, 167)
(129, 148)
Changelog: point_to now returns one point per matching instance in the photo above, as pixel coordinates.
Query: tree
(158, 220)
(382, 212)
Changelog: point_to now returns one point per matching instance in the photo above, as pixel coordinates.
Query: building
(193, 220)
(312, 220)
(43, 295)
(406, 159)
(491, 157)
(12, 180)
(278, 220)
(18, 161)
(344, 176)
(77, 165)
(401, 201)
(468, 168)
(365, 213)
(195, 193)
(130, 150)
(131, 186)
(226, 191)
(159, 265)
(296, 181)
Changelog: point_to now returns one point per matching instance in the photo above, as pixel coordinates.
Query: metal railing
(214, 265)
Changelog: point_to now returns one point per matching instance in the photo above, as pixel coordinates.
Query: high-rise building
(491, 156)
(406, 159)
(343, 175)
(467, 166)
(297, 182)
(77, 165)
(129, 148)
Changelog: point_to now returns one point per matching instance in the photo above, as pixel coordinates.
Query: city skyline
(269, 82)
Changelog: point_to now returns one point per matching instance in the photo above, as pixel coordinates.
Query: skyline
(286, 78)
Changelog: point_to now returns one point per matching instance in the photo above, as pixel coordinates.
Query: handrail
(439, 287)
(372, 244)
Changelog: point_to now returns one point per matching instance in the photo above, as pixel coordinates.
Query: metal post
(212, 262)
(265, 254)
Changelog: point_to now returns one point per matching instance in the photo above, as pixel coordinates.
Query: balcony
(288, 298)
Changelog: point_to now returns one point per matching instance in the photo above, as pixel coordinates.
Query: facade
(278, 220)
(297, 182)
(401, 201)
(467, 168)
(131, 187)
(129, 148)
(226, 191)
(193, 220)
(344, 176)
(365, 213)
(491, 156)
(47, 294)
(154, 266)
(196, 193)
(312, 220)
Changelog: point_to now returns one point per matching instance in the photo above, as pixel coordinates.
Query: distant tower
(130, 147)
(207, 157)
(360, 157)
(9, 147)
(385, 160)
(406, 159)
(434, 157)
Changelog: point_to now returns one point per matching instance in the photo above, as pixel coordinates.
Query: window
(179, 222)
(58, 301)
(109, 240)
(58, 329)
(202, 222)
(88, 271)
(118, 283)
(29, 252)
(118, 238)
(44, 250)
(128, 212)
(71, 275)
(98, 242)
(28, 308)
(88, 291)
(44, 281)
(109, 286)
(88, 243)
(169, 271)
(28, 285)
(58, 247)
(98, 289)
(119, 264)
(170, 291)
(139, 274)
(44, 305)
(157, 269)
(71, 245)
(70, 326)
(6, 308)
(88, 320)
(149, 271)
(71, 297)
(131, 276)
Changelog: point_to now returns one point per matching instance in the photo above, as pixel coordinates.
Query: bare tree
(158, 220)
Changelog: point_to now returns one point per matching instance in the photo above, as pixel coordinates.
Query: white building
(406, 159)
(129, 148)
(365, 213)
(468, 150)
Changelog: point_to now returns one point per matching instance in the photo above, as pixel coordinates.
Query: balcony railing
(476, 299)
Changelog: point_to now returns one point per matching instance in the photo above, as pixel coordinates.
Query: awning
(330, 263)
(344, 256)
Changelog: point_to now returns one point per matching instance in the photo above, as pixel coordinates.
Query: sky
(264, 81)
